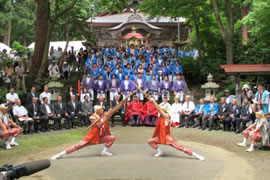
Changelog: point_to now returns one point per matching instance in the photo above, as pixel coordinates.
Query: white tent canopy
(3, 46)
(62, 44)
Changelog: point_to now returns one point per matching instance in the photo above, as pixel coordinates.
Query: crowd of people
(111, 74)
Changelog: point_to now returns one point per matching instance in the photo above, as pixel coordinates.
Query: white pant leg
(92, 94)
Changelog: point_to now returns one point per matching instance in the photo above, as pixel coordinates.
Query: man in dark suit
(101, 102)
(46, 114)
(73, 110)
(246, 113)
(222, 111)
(34, 113)
(31, 94)
(233, 116)
(120, 112)
(59, 112)
(87, 109)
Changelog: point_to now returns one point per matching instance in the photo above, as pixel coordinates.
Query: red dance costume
(162, 135)
(99, 134)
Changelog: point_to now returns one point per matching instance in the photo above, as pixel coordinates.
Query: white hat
(3, 106)
(98, 107)
(245, 86)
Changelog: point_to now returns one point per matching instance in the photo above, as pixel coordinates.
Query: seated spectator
(257, 132)
(246, 93)
(233, 117)
(60, 112)
(188, 112)
(87, 109)
(176, 110)
(101, 102)
(31, 94)
(198, 113)
(70, 92)
(150, 114)
(246, 113)
(46, 114)
(126, 87)
(153, 87)
(34, 113)
(222, 111)
(88, 82)
(228, 97)
(210, 115)
(165, 103)
(11, 97)
(120, 112)
(165, 88)
(46, 94)
(66, 71)
(179, 88)
(21, 114)
(100, 87)
(8, 128)
(73, 110)
(54, 70)
(134, 114)
(84, 93)
(114, 85)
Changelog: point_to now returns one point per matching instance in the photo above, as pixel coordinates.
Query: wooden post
(238, 88)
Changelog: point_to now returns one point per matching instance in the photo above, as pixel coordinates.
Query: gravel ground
(133, 158)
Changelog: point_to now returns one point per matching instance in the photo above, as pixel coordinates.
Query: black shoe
(210, 129)
(123, 125)
(112, 125)
(187, 126)
(203, 128)
(237, 132)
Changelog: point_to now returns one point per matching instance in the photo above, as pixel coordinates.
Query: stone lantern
(55, 87)
(210, 88)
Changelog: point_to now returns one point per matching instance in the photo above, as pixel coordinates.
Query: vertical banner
(79, 87)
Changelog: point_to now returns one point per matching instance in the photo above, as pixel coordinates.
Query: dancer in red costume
(162, 133)
(99, 134)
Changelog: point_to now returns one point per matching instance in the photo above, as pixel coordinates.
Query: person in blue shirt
(210, 115)
(94, 71)
(112, 51)
(106, 73)
(131, 58)
(133, 51)
(177, 70)
(114, 62)
(165, 70)
(198, 113)
(159, 60)
(147, 78)
(120, 74)
(128, 70)
(109, 63)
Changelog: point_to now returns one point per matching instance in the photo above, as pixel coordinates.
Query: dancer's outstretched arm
(164, 114)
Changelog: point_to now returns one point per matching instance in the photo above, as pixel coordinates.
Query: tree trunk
(7, 35)
(226, 34)
(41, 34)
(44, 62)
(229, 49)
(198, 39)
(244, 12)
(62, 58)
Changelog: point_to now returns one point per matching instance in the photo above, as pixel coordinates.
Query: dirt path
(136, 161)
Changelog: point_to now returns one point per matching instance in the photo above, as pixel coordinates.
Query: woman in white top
(257, 132)
(84, 93)
(176, 110)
